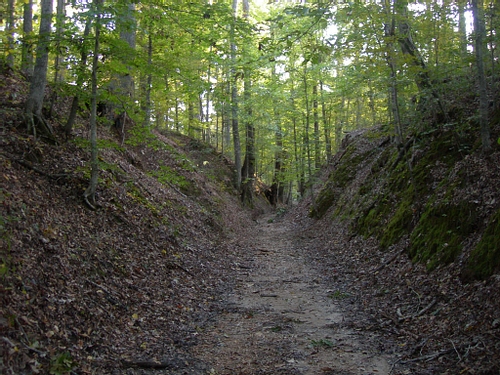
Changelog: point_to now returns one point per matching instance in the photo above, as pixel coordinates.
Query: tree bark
(462, 29)
(480, 37)
(248, 172)
(401, 29)
(393, 89)
(149, 80)
(10, 33)
(80, 78)
(317, 154)
(34, 103)
(59, 59)
(27, 44)
(326, 125)
(89, 194)
(234, 102)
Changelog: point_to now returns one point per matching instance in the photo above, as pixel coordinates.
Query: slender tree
(27, 44)
(248, 173)
(34, 103)
(480, 36)
(10, 33)
(90, 192)
(80, 77)
(234, 100)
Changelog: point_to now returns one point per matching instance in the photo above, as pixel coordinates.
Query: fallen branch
(173, 265)
(35, 169)
(148, 364)
(430, 357)
(425, 309)
(421, 312)
(386, 263)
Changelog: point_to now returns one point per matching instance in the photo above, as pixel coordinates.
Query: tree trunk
(191, 116)
(234, 102)
(462, 29)
(248, 172)
(177, 122)
(480, 37)
(326, 125)
(393, 90)
(10, 27)
(34, 103)
(402, 31)
(306, 137)
(89, 194)
(80, 78)
(27, 43)
(127, 27)
(339, 125)
(149, 80)
(317, 154)
(208, 134)
(122, 84)
(59, 59)
(226, 115)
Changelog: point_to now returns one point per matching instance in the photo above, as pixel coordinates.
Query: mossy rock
(437, 238)
(485, 258)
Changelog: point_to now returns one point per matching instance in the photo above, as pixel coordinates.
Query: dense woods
(272, 85)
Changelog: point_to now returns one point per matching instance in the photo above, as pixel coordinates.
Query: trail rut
(281, 318)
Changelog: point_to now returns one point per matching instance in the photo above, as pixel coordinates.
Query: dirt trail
(282, 319)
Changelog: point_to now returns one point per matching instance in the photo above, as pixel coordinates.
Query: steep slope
(411, 235)
(85, 291)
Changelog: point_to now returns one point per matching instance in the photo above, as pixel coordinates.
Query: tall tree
(480, 37)
(10, 32)
(80, 77)
(34, 103)
(234, 99)
(90, 192)
(248, 172)
(27, 43)
(59, 57)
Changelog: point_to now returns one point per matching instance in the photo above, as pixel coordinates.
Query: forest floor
(283, 318)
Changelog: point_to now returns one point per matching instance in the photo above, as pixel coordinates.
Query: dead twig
(148, 364)
(426, 308)
(430, 357)
(173, 265)
(35, 169)
(416, 315)
(387, 262)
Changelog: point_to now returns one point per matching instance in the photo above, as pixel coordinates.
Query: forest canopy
(274, 85)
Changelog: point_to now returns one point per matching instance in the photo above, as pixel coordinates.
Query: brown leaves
(135, 278)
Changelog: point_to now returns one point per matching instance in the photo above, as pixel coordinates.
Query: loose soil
(282, 318)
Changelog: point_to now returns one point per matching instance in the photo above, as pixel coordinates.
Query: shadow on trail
(281, 317)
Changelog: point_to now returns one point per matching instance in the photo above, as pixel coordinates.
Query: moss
(393, 212)
(485, 258)
(323, 202)
(400, 223)
(437, 238)
(167, 175)
(389, 215)
(338, 180)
